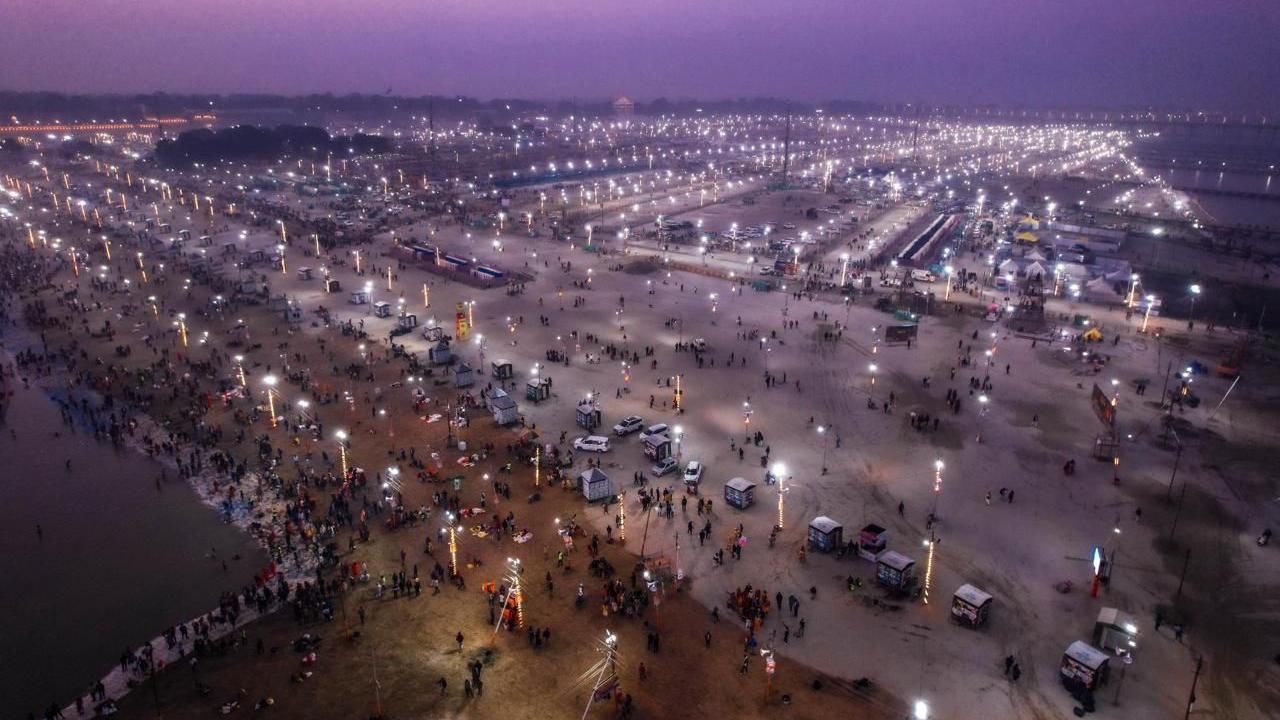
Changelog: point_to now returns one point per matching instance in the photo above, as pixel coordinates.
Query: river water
(1228, 159)
(120, 560)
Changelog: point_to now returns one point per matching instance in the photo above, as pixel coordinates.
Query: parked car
(592, 443)
(693, 472)
(662, 467)
(653, 431)
(628, 425)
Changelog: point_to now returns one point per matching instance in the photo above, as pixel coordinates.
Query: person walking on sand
(459, 638)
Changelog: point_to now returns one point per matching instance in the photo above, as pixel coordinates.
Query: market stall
(595, 485)
(872, 541)
(825, 534)
(537, 389)
(895, 570)
(588, 415)
(740, 493)
(1115, 630)
(502, 369)
(1084, 667)
(440, 354)
(970, 606)
(463, 376)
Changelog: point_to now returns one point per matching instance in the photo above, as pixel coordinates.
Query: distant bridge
(149, 125)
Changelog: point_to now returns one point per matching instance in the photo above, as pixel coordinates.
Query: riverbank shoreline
(143, 436)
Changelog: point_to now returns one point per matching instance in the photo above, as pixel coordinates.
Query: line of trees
(254, 142)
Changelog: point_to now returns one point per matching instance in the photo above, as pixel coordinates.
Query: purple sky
(1212, 54)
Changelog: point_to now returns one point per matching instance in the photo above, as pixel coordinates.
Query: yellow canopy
(1026, 237)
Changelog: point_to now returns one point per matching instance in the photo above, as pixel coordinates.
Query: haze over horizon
(1090, 53)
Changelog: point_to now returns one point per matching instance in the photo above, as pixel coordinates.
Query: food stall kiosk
(588, 415)
(825, 534)
(895, 570)
(657, 447)
(740, 493)
(872, 541)
(595, 485)
(502, 369)
(970, 606)
(537, 389)
(1115, 630)
(1084, 667)
(440, 354)
(382, 309)
(463, 375)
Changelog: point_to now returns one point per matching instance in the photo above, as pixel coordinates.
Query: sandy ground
(1017, 551)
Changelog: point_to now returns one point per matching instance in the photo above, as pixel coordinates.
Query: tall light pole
(270, 382)
(779, 471)
(932, 542)
(1195, 293)
(341, 436)
(822, 430)
(844, 267)
(451, 527)
(982, 413)
(1146, 317)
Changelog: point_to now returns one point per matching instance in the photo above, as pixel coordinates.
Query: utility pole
(915, 135)
(1178, 513)
(1191, 701)
(786, 148)
(1176, 459)
(1186, 561)
(431, 129)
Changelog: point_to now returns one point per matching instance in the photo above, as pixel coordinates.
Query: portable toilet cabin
(504, 408)
(595, 485)
(502, 369)
(970, 606)
(293, 312)
(588, 415)
(740, 493)
(185, 234)
(440, 354)
(537, 389)
(359, 297)
(1084, 667)
(895, 570)
(332, 285)
(407, 321)
(463, 376)
(305, 273)
(825, 534)
(382, 309)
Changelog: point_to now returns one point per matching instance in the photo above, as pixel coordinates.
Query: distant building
(624, 106)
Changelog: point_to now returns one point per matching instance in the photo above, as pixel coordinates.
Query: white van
(923, 276)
